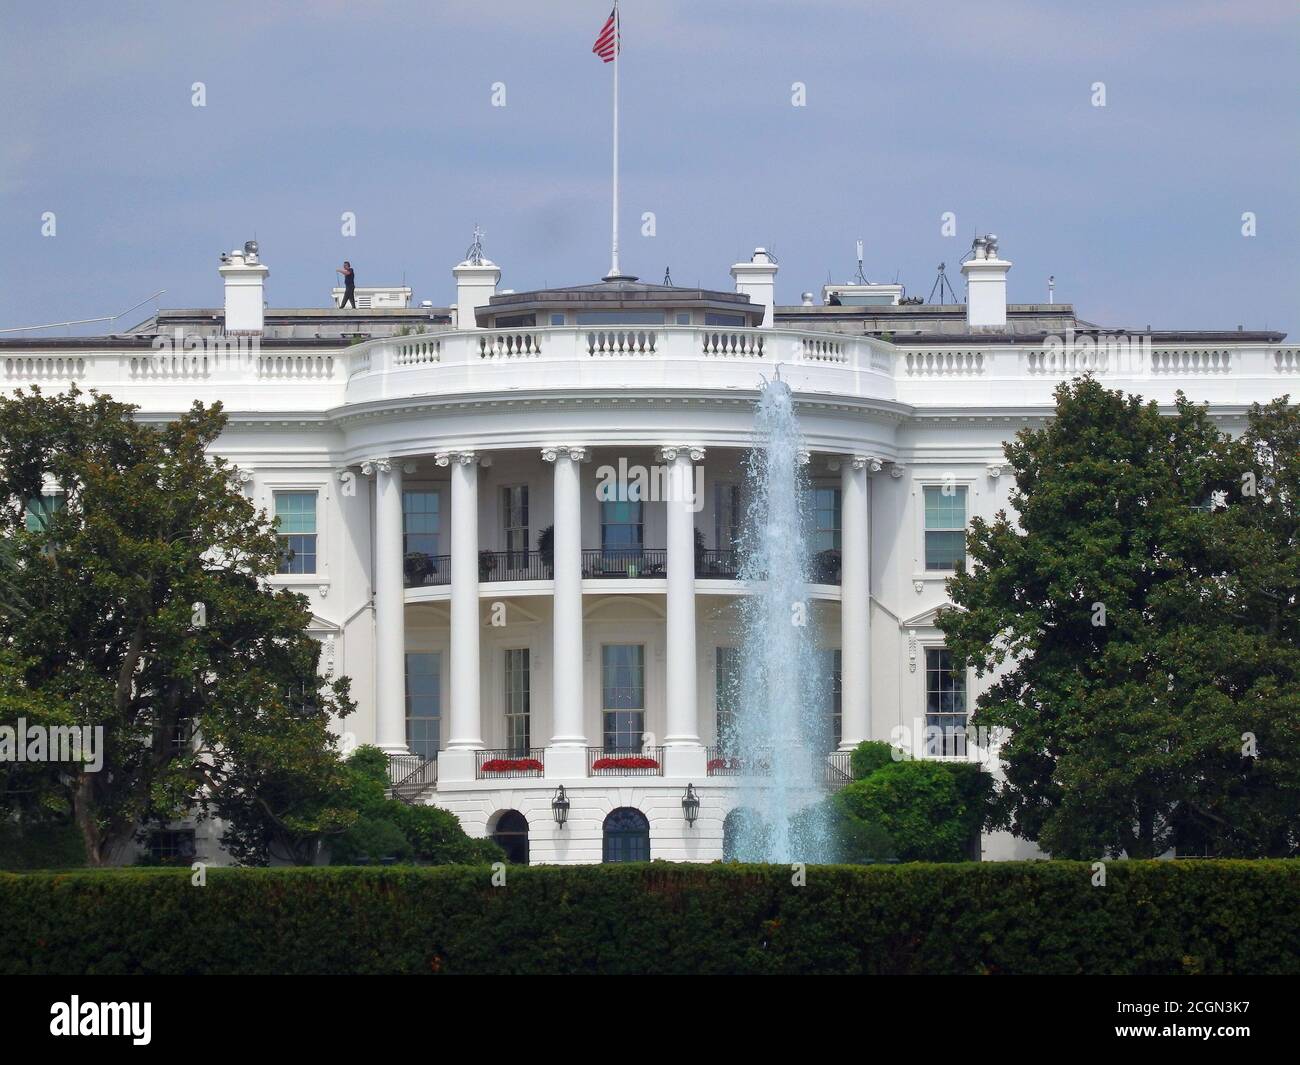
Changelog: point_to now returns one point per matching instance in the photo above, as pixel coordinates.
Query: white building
(416, 455)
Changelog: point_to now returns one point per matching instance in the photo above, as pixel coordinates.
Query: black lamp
(560, 806)
(690, 805)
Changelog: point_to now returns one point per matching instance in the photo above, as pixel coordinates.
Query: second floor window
(296, 514)
(825, 513)
(41, 509)
(831, 680)
(945, 526)
(621, 525)
(726, 516)
(514, 514)
(518, 735)
(420, 521)
(423, 703)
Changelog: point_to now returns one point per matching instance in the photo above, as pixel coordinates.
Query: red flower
(724, 763)
(509, 765)
(632, 762)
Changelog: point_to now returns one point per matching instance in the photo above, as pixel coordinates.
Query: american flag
(608, 42)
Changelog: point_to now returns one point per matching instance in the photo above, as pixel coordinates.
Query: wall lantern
(690, 805)
(560, 806)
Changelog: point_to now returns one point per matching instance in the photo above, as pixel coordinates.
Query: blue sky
(913, 109)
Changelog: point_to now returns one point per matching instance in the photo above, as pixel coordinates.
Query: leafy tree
(1135, 635)
(156, 623)
(924, 810)
(390, 828)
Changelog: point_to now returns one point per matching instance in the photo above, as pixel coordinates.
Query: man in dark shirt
(349, 286)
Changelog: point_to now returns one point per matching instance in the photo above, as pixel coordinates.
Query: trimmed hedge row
(1012, 917)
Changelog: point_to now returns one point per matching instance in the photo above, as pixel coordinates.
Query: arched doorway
(627, 836)
(743, 835)
(511, 835)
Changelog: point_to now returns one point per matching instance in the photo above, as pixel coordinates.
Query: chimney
(986, 284)
(244, 275)
(476, 283)
(757, 280)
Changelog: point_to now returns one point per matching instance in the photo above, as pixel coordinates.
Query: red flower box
(512, 765)
(633, 762)
(724, 763)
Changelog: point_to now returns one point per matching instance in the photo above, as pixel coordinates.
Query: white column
(855, 599)
(682, 718)
(465, 726)
(566, 655)
(390, 608)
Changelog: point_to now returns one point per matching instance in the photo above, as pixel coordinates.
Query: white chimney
(986, 284)
(244, 275)
(757, 280)
(476, 283)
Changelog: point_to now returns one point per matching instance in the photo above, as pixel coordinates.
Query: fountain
(780, 726)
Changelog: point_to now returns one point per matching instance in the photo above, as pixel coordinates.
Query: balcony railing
(717, 565)
(624, 562)
(503, 762)
(647, 762)
(839, 769)
(514, 566)
(420, 570)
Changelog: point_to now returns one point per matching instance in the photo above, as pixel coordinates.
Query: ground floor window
(511, 836)
(627, 836)
(171, 845)
(833, 687)
(518, 711)
(945, 703)
(726, 697)
(622, 687)
(423, 703)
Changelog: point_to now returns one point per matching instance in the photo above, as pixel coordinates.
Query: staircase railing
(411, 776)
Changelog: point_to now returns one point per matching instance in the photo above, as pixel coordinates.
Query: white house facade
(553, 665)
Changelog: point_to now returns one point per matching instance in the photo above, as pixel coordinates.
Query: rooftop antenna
(1051, 289)
(474, 256)
(861, 278)
(940, 283)
(668, 277)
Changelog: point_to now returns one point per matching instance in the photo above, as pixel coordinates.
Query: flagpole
(614, 270)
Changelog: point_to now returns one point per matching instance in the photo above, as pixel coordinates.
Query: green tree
(918, 807)
(157, 624)
(1135, 623)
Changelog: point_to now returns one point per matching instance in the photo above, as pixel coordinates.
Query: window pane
(295, 513)
(623, 695)
(726, 686)
(944, 550)
(824, 504)
(945, 702)
(41, 509)
(518, 701)
(420, 521)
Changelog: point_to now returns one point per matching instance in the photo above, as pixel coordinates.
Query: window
(726, 672)
(834, 691)
(945, 703)
(825, 508)
(170, 846)
(622, 688)
(716, 318)
(511, 835)
(557, 319)
(683, 317)
(420, 521)
(627, 836)
(296, 514)
(514, 516)
(726, 516)
(622, 527)
(41, 509)
(517, 702)
(620, 317)
(516, 321)
(945, 526)
(423, 703)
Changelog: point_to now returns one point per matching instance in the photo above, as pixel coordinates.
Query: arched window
(511, 835)
(627, 836)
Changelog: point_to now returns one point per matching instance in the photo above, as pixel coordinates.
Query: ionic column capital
(575, 452)
(370, 467)
(461, 457)
(670, 452)
(870, 463)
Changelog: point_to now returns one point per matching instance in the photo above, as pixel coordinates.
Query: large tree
(1139, 622)
(150, 616)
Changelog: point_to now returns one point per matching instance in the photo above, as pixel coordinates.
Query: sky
(911, 110)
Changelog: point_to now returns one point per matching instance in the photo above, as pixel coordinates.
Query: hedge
(1014, 917)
